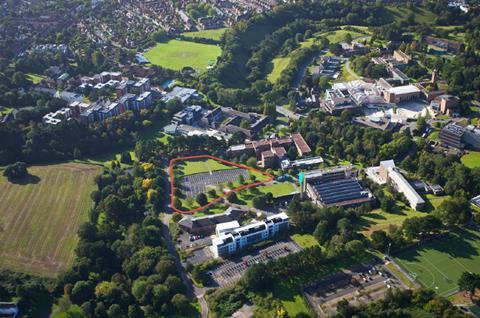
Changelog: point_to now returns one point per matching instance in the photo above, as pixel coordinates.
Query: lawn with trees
(214, 34)
(471, 159)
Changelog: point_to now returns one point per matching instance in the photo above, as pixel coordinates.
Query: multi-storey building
(452, 136)
(388, 172)
(232, 242)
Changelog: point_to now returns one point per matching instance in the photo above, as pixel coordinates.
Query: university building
(232, 240)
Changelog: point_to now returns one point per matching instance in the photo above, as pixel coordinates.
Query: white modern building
(388, 172)
(227, 227)
(229, 241)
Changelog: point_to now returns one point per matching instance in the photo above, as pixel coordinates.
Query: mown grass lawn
(276, 189)
(279, 64)
(438, 264)
(177, 54)
(338, 36)
(292, 300)
(380, 220)
(193, 166)
(471, 159)
(40, 215)
(305, 240)
(106, 160)
(401, 13)
(215, 34)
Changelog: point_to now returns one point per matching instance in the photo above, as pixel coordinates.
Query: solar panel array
(339, 191)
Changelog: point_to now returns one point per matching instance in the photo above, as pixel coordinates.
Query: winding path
(350, 71)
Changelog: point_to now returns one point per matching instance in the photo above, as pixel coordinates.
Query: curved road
(192, 290)
(350, 71)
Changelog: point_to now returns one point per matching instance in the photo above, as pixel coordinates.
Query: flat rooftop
(407, 89)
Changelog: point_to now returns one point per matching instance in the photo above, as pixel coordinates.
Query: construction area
(358, 285)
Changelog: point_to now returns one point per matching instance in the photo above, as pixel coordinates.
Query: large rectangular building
(388, 172)
(233, 241)
(337, 186)
(402, 94)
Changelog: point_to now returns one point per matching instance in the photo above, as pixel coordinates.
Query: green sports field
(39, 217)
(194, 166)
(177, 54)
(438, 264)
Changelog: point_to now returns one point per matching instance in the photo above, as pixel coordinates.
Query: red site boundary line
(172, 186)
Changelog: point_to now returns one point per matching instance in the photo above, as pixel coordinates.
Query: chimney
(434, 76)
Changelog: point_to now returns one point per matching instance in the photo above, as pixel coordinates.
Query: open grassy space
(338, 36)
(401, 13)
(438, 264)
(39, 217)
(276, 189)
(471, 159)
(215, 34)
(105, 160)
(177, 54)
(208, 165)
(399, 274)
(291, 299)
(305, 240)
(345, 75)
(380, 220)
(279, 64)
(194, 166)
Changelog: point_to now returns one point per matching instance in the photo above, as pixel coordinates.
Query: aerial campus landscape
(239, 158)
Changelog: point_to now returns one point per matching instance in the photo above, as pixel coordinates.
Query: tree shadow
(376, 216)
(29, 179)
(459, 244)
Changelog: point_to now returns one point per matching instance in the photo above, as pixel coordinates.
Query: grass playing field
(177, 54)
(194, 166)
(215, 34)
(39, 218)
(471, 159)
(438, 264)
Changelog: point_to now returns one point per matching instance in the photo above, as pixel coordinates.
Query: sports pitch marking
(445, 258)
(172, 186)
(415, 276)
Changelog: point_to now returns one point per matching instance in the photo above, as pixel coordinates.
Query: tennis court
(438, 264)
